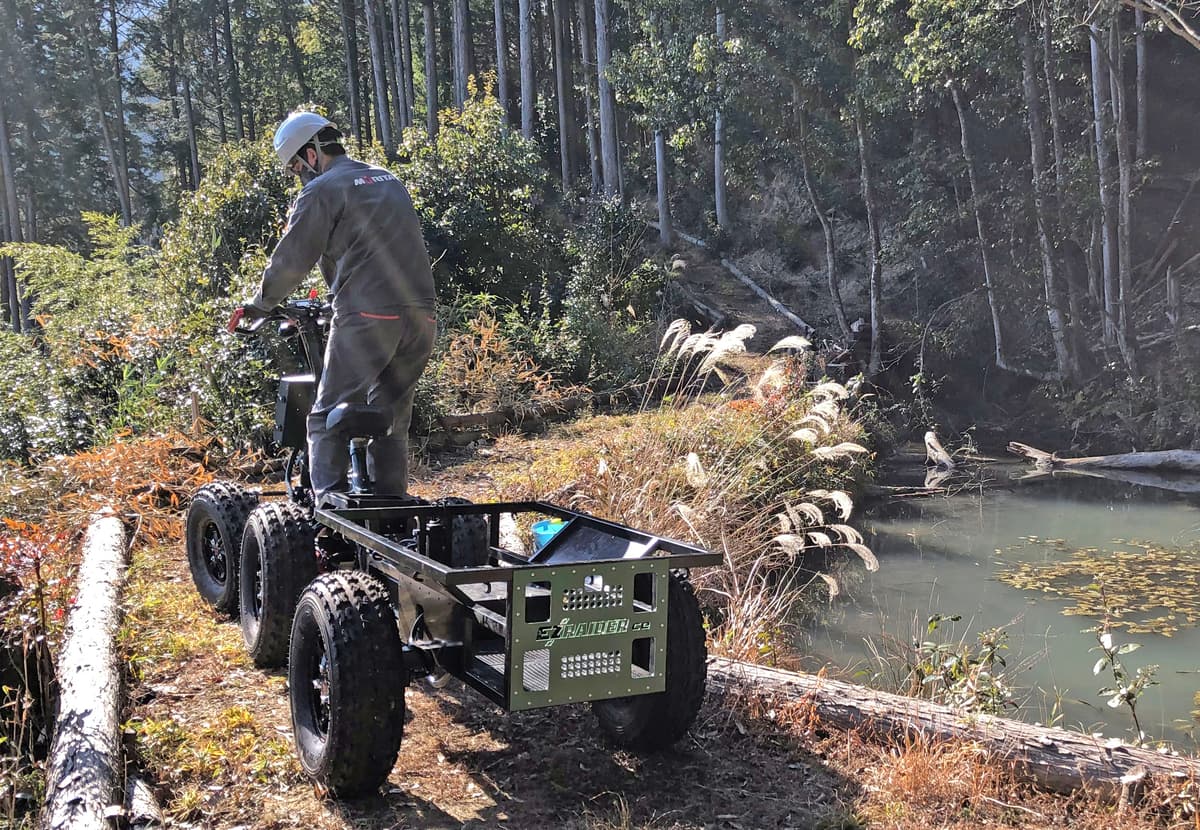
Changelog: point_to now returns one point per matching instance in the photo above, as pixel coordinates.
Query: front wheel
(278, 560)
(650, 722)
(215, 520)
(346, 683)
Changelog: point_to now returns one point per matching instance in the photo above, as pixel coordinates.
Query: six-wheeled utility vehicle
(362, 593)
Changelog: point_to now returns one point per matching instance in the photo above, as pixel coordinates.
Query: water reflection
(948, 554)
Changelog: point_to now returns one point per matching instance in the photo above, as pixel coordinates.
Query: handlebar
(314, 312)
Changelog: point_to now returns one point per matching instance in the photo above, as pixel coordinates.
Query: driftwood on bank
(935, 453)
(1056, 759)
(1176, 461)
(83, 778)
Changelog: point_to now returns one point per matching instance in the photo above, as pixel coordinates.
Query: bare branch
(1171, 14)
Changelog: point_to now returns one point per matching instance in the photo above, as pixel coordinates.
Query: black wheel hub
(319, 683)
(256, 567)
(213, 548)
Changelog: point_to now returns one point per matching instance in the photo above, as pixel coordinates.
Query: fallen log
(1056, 759)
(84, 771)
(1175, 482)
(1179, 461)
(141, 807)
(779, 307)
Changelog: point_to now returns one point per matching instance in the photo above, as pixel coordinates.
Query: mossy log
(1174, 461)
(1055, 759)
(83, 778)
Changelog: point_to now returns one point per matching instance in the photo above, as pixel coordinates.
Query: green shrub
(612, 299)
(94, 366)
(478, 189)
(238, 211)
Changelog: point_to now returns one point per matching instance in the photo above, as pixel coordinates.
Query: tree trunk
(189, 115)
(383, 112)
(875, 363)
(525, 24)
(985, 247)
(1050, 67)
(218, 84)
(85, 757)
(114, 47)
(288, 19)
(175, 35)
(461, 51)
(563, 87)
(446, 43)
(609, 162)
(469, 44)
(1056, 759)
(84, 32)
(392, 70)
(1108, 239)
(350, 41)
(231, 72)
(585, 59)
(7, 274)
(722, 208)
(409, 69)
(431, 92)
(501, 59)
(248, 71)
(543, 66)
(666, 231)
(831, 261)
(1125, 334)
(11, 214)
(1044, 208)
(181, 163)
(1139, 17)
(399, 70)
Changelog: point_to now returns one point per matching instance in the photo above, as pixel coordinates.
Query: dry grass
(145, 480)
(214, 734)
(757, 470)
(482, 370)
(917, 783)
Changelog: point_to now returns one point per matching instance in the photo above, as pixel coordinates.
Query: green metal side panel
(576, 633)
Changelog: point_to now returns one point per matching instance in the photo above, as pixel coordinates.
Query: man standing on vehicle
(358, 221)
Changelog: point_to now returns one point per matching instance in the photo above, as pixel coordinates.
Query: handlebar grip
(251, 327)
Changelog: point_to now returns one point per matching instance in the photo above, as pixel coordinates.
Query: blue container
(546, 530)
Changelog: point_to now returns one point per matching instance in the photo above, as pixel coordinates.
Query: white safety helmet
(297, 129)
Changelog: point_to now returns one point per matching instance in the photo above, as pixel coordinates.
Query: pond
(1028, 556)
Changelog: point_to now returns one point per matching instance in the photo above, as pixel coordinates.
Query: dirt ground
(212, 734)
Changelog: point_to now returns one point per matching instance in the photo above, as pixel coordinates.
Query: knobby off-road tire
(346, 682)
(278, 561)
(650, 722)
(468, 537)
(214, 537)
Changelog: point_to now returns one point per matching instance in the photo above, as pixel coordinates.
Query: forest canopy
(1013, 177)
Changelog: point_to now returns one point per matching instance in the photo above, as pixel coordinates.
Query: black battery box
(292, 405)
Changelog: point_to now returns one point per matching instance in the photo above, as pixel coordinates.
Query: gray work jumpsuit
(358, 221)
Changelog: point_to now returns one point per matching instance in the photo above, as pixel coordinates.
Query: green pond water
(1027, 556)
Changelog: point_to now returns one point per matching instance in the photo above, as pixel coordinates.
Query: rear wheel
(649, 722)
(215, 520)
(468, 537)
(278, 560)
(346, 683)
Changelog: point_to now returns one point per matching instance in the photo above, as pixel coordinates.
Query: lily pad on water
(1149, 589)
